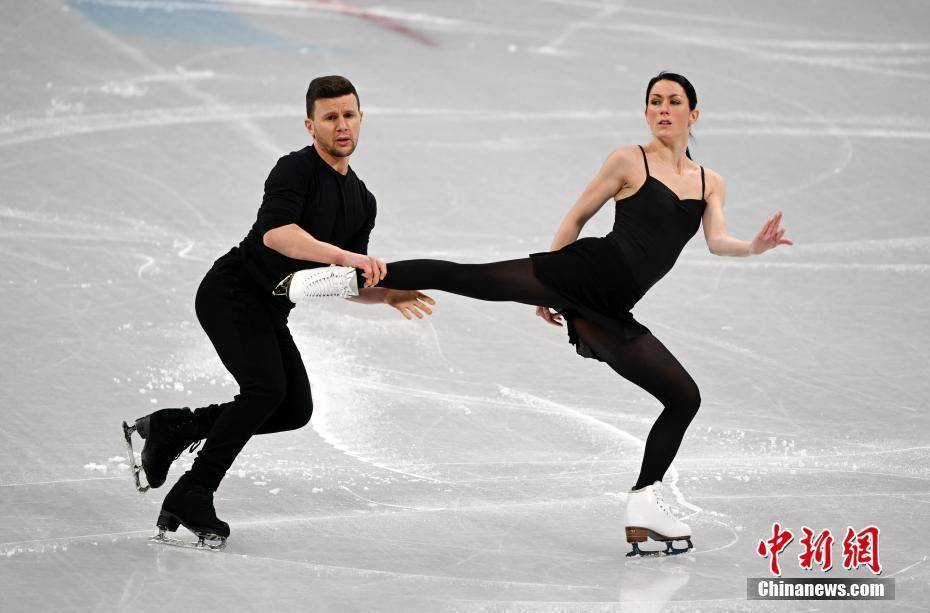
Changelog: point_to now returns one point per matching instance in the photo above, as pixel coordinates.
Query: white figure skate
(647, 516)
(319, 283)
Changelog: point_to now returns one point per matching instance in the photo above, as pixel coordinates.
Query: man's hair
(332, 86)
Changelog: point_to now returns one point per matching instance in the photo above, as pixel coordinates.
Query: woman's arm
(608, 181)
(719, 241)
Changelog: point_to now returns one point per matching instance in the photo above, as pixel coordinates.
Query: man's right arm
(296, 243)
(285, 196)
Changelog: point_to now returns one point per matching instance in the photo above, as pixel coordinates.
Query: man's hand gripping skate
(373, 269)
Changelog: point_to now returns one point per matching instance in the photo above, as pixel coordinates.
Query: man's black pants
(250, 334)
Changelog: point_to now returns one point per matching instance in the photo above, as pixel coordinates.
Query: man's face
(335, 124)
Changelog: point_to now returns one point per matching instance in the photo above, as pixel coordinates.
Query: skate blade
(206, 542)
(670, 549)
(134, 466)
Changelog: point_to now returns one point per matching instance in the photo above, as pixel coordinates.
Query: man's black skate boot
(190, 504)
(166, 433)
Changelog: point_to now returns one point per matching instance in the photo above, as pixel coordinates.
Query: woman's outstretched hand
(409, 303)
(549, 315)
(770, 236)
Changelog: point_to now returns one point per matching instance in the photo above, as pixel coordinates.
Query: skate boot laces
(190, 449)
(661, 503)
(330, 285)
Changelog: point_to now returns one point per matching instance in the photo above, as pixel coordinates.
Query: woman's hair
(685, 84)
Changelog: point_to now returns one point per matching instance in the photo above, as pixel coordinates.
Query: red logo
(861, 548)
(774, 546)
(819, 549)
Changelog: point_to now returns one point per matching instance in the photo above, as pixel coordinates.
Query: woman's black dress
(602, 278)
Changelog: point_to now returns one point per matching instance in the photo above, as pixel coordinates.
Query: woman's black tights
(644, 360)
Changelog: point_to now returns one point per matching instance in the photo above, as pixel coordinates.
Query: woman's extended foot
(319, 283)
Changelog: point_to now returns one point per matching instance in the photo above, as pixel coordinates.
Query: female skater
(662, 197)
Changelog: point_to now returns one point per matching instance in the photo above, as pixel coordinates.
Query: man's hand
(409, 303)
(373, 269)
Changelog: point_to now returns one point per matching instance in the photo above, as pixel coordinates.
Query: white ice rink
(472, 462)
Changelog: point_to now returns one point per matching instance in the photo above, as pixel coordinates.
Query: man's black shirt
(303, 189)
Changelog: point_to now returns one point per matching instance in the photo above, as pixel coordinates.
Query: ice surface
(471, 462)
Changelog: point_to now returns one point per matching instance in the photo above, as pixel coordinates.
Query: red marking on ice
(379, 20)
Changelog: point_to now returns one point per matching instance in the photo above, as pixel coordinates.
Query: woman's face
(667, 111)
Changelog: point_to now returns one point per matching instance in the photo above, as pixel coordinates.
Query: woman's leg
(646, 362)
(510, 281)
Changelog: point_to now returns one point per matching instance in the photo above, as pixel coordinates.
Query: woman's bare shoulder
(627, 154)
(715, 182)
(624, 159)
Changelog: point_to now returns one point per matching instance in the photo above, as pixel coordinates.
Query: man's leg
(295, 410)
(241, 327)
(242, 330)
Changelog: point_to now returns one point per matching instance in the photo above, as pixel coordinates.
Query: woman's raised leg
(510, 281)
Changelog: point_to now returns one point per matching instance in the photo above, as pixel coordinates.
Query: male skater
(315, 211)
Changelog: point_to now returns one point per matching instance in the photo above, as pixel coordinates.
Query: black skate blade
(134, 466)
(169, 522)
(205, 541)
(670, 549)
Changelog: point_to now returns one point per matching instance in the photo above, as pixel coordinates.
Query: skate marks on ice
(601, 438)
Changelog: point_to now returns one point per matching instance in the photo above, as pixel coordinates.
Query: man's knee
(300, 410)
(302, 417)
(295, 410)
(268, 394)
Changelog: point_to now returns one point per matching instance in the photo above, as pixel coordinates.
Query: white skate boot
(318, 283)
(647, 516)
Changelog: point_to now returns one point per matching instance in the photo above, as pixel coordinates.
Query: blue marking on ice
(211, 25)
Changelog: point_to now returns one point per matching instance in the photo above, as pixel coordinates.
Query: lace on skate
(190, 449)
(661, 502)
(329, 286)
